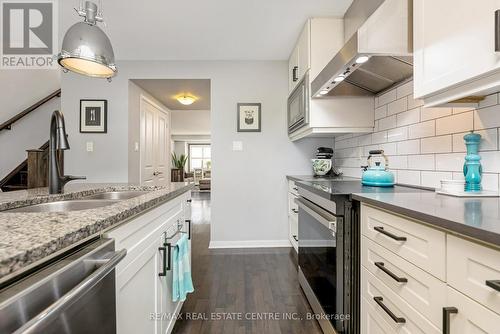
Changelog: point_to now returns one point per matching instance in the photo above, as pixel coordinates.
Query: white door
(155, 144)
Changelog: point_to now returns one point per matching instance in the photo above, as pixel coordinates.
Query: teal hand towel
(182, 282)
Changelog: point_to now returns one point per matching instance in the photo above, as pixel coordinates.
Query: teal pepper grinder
(472, 167)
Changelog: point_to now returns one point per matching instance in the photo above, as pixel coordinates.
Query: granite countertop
(477, 218)
(29, 238)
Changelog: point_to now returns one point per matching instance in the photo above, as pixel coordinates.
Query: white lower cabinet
(293, 215)
(421, 290)
(143, 297)
(371, 321)
(401, 278)
(388, 305)
(471, 317)
(472, 268)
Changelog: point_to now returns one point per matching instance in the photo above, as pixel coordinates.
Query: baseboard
(250, 244)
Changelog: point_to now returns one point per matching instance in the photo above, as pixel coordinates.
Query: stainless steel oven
(298, 105)
(327, 261)
(73, 295)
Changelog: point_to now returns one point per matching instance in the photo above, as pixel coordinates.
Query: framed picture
(248, 115)
(93, 116)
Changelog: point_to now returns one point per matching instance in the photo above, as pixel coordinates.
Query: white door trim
(145, 99)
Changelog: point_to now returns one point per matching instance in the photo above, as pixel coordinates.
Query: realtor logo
(28, 34)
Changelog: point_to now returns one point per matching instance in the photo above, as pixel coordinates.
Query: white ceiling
(206, 29)
(165, 91)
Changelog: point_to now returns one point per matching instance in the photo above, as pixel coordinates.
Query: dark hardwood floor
(241, 290)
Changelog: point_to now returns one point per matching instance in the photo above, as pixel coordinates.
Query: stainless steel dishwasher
(73, 295)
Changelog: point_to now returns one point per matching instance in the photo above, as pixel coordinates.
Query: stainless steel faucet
(57, 142)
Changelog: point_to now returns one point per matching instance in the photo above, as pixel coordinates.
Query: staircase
(33, 171)
(18, 178)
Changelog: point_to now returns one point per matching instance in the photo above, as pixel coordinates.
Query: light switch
(136, 147)
(90, 146)
(237, 146)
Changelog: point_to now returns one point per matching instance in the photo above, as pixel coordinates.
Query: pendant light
(85, 48)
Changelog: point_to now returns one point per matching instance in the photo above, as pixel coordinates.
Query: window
(200, 156)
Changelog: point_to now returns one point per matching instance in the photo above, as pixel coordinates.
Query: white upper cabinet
(318, 42)
(293, 69)
(454, 50)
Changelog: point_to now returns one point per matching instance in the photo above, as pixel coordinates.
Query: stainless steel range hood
(376, 57)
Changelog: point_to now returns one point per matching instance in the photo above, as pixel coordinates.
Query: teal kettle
(376, 175)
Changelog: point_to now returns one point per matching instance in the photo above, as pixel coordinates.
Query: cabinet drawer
(471, 317)
(421, 245)
(371, 321)
(410, 321)
(421, 290)
(292, 188)
(470, 265)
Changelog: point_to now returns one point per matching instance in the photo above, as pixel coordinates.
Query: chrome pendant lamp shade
(86, 49)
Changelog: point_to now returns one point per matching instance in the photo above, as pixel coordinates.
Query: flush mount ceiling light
(186, 99)
(86, 49)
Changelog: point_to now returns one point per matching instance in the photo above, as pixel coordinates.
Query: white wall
(20, 90)
(249, 202)
(190, 122)
(425, 145)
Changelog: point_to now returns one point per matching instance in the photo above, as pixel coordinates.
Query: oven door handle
(35, 324)
(324, 217)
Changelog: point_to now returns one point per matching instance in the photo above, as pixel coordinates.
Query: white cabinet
(293, 69)
(304, 49)
(293, 215)
(471, 317)
(421, 293)
(473, 265)
(143, 297)
(419, 244)
(454, 49)
(316, 45)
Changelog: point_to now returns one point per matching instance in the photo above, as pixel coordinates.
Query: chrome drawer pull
(379, 301)
(380, 265)
(295, 211)
(494, 284)
(380, 229)
(446, 318)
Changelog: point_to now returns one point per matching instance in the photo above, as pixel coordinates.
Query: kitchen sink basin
(64, 206)
(117, 195)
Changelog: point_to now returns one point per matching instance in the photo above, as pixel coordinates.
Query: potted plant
(178, 163)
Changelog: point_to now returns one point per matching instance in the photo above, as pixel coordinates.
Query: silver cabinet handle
(36, 324)
(156, 173)
(318, 213)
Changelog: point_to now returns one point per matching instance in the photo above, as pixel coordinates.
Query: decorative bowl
(321, 166)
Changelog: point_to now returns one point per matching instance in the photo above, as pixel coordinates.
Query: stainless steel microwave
(298, 105)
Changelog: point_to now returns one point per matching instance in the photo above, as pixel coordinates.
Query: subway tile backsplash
(424, 145)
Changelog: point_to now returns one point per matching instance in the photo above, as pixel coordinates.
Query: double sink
(94, 201)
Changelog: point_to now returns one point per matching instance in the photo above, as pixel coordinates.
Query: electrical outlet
(90, 146)
(136, 147)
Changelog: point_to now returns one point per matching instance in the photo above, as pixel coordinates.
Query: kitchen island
(427, 262)
(28, 239)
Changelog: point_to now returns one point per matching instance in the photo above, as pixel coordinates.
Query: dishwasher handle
(329, 220)
(35, 324)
